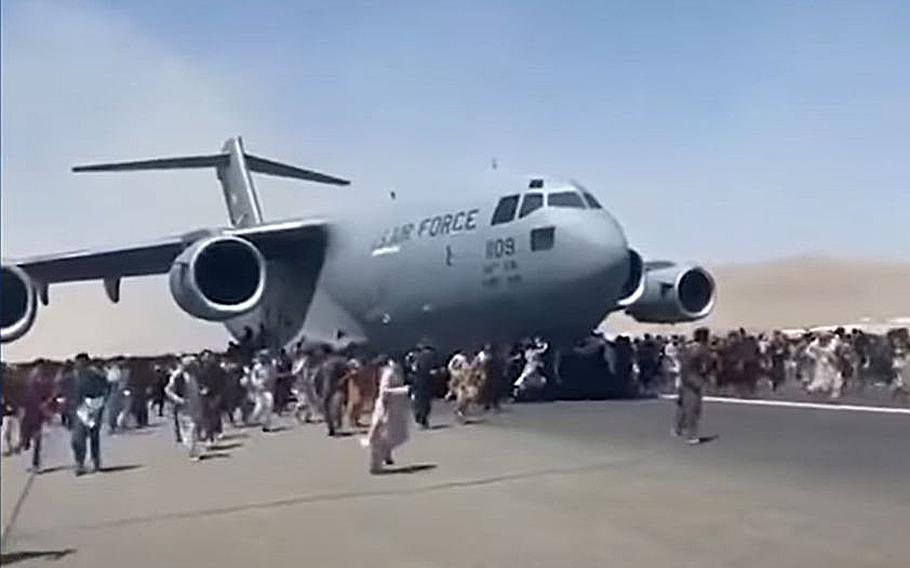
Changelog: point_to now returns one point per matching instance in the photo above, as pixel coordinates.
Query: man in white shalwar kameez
(118, 403)
(305, 368)
(826, 372)
(391, 414)
(672, 366)
(900, 365)
(261, 381)
(532, 377)
(462, 387)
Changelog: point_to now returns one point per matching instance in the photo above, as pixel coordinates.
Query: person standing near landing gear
(698, 363)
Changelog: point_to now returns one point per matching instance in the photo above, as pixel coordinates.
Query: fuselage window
(505, 210)
(565, 199)
(543, 239)
(532, 202)
(592, 201)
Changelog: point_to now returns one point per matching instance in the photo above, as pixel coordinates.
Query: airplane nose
(601, 246)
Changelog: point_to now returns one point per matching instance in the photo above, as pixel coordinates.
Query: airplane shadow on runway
(346, 433)
(214, 456)
(224, 447)
(107, 469)
(54, 469)
(414, 468)
(12, 557)
(235, 436)
(116, 468)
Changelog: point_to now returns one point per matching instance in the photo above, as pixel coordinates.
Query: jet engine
(19, 303)
(218, 278)
(673, 294)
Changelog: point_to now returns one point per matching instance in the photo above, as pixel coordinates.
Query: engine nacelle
(218, 278)
(634, 286)
(674, 294)
(18, 304)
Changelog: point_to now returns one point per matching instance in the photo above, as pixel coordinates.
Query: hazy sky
(715, 131)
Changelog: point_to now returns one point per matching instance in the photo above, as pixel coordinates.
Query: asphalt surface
(561, 484)
(876, 394)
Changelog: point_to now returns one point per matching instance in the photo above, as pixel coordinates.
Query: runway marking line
(792, 404)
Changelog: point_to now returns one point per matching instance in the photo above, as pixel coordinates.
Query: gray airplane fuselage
(542, 259)
(443, 273)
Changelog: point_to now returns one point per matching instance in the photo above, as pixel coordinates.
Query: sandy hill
(795, 292)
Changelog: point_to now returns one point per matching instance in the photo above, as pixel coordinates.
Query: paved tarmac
(561, 484)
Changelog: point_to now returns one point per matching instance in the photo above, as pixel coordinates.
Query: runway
(561, 484)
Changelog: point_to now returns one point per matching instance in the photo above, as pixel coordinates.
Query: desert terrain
(794, 292)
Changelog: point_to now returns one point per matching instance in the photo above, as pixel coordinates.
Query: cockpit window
(505, 210)
(591, 201)
(565, 199)
(532, 202)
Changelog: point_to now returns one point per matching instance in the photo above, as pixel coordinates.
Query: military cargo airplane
(544, 259)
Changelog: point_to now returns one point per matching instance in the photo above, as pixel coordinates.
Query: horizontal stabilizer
(264, 166)
(210, 161)
(233, 167)
(254, 164)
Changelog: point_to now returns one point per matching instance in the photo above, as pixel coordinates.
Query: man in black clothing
(90, 388)
(284, 379)
(37, 404)
(160, 376)
(212, 380)
(648, 361)
(624, 364)
(332, 370)
(139, 384)
(494, 373)
(422, 387)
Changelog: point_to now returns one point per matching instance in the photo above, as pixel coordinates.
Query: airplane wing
(274, 240)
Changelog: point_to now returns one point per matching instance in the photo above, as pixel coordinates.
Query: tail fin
(233, 167)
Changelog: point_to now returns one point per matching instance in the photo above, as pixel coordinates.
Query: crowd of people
(248, 384)
(822, 363)
(243, 386)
